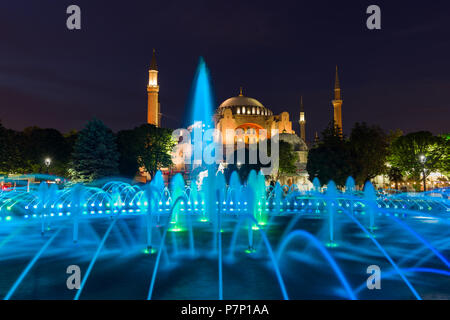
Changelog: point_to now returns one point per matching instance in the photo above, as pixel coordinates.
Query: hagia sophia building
(250, 115)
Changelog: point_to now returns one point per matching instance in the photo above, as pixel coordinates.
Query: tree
(146, 146)
(71, 139)
(9, 152)
(330, 158)
(95, 153)
(128, 146)
(288, 159)
(25, 151)
(406, 150)
(368, 152)
(393, 135)
(4, 150)
(244, 169)
(36, 144)
(444, 165)
(395, 174)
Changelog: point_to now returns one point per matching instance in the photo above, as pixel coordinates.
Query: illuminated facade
(250, 115)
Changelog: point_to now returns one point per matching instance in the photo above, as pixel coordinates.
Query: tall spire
(153, 106)
(337, 103)
(153, 65)
(240, 91)
(302, 120)
(337, 86)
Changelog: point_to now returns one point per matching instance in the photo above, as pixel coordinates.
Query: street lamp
(47, 163)
(423, 160)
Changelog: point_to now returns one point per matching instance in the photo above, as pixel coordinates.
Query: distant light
(47, 161)
(422, 158)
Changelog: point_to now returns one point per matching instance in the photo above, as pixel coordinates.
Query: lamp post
(47, 163)
(423, 160)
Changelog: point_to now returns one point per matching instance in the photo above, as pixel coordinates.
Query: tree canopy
(25, 151)
(9, 153)
(330, 158)
(37, 144)
(406, 150)
(95, 153)
(368, 151)
(362, 155)
(145, 146)
(288, 159)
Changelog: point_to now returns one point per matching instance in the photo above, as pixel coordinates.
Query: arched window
(238, 110)
(243, 110)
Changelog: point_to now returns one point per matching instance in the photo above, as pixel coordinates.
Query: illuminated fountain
(222, 239)
(235, 225)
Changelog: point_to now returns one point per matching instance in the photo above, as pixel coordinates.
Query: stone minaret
(302, 121)
(337, 103)
(153, 111)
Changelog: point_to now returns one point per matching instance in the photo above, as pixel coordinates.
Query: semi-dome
(294, 140)
(244, 105)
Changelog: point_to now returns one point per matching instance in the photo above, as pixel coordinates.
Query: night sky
(397, 77)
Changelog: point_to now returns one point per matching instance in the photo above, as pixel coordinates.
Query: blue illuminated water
(277, 241)
(201, 103)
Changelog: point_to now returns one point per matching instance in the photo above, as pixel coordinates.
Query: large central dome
(244, 105)
(240, 101)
